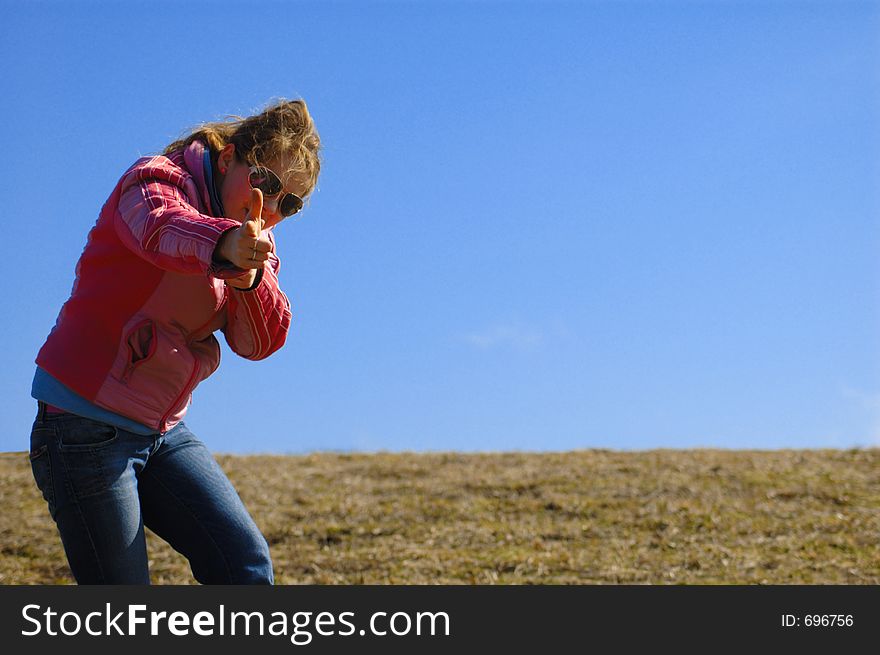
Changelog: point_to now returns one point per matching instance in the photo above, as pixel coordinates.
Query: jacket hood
(194, 161)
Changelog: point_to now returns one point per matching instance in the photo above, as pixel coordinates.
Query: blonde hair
(284, 130)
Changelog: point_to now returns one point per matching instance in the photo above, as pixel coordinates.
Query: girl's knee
(255, 564)
(248, 561)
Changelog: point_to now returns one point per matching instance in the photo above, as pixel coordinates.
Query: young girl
(182, 248)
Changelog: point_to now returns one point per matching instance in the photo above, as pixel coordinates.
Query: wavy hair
(282, 130)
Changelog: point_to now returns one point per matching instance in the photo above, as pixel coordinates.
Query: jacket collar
(197, 159)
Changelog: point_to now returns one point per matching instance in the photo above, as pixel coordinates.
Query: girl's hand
(245, 246)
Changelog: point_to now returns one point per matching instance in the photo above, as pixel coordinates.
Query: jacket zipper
(186, 389)
(214, 315)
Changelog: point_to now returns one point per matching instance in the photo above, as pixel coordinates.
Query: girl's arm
(156, 220)
(257, 320)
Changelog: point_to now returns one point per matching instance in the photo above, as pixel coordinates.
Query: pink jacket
(136, 335)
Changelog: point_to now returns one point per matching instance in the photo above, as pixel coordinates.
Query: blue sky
(540, 226)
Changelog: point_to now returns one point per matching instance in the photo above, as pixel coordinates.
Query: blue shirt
(52, 392)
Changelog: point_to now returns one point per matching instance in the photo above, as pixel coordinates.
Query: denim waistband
(44, 408)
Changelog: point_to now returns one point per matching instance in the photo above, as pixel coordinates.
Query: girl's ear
(224, 159)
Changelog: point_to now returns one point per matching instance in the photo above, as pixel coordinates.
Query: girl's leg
(188, 501)
(85, 470)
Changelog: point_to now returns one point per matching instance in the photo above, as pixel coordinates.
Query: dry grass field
(581, 517)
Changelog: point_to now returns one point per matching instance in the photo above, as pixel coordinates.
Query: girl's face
(235, 190)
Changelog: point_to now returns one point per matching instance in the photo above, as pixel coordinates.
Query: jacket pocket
(154, 366)
(141, 346)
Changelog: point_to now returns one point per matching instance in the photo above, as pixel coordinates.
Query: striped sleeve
(157, 221)
(257, 320)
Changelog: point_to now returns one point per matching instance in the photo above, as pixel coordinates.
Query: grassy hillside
(592, 516)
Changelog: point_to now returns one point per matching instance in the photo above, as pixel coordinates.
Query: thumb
(254, 222)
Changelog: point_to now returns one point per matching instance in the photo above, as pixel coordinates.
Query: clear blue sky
(540, 226)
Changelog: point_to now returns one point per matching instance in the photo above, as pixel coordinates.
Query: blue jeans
(103, 484)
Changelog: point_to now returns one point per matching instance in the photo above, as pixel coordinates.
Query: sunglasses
(266, 181)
